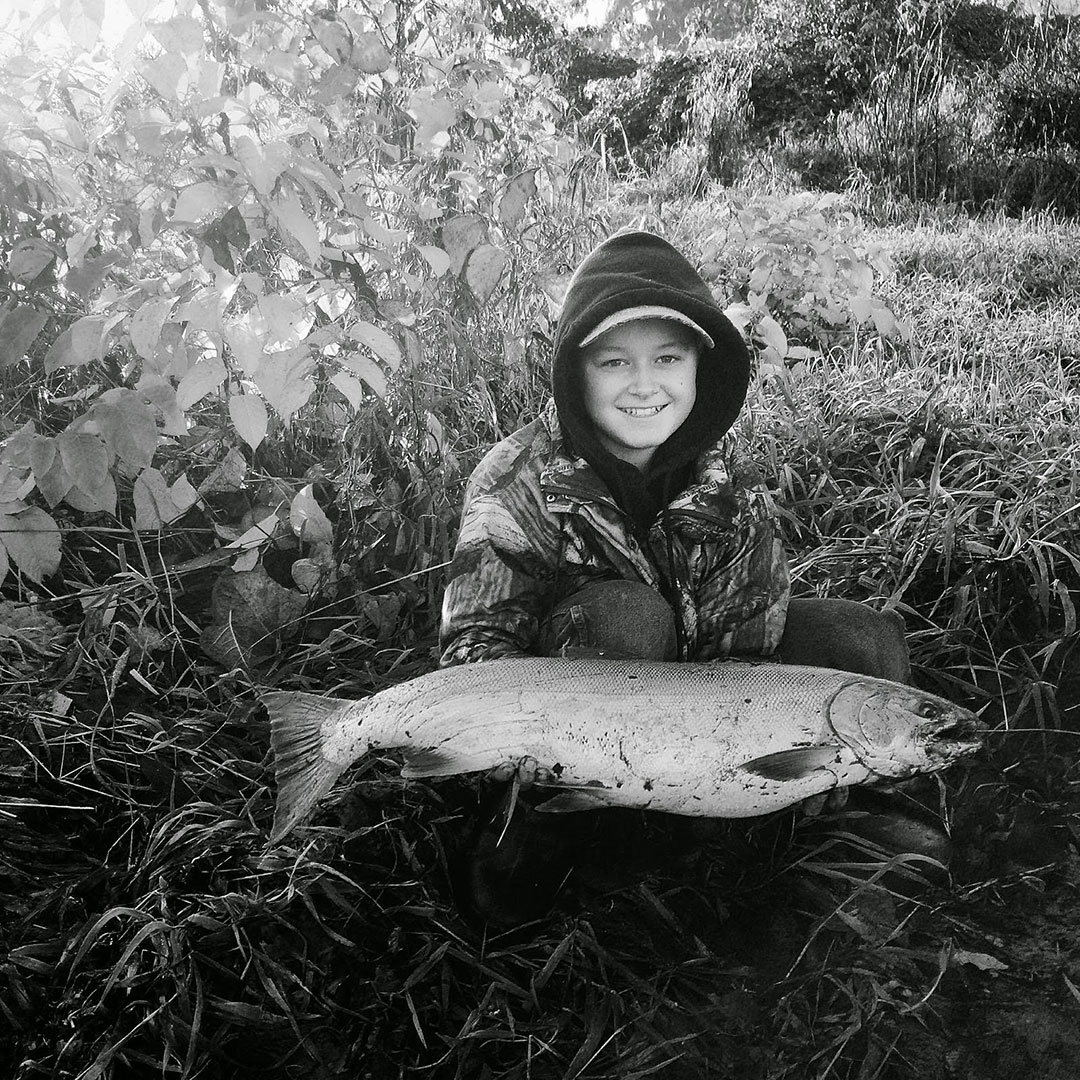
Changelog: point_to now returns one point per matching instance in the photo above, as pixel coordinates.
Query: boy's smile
(639, 381)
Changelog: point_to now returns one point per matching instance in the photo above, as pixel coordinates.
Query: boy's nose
(642, 379)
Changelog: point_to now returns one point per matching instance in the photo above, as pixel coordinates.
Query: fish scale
(728, 739)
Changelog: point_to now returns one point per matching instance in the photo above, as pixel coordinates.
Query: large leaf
(55, 484)
(462, 235)
(202, 378)
(81, 343)
(82, 20)
(369, 54)
(367, 369)
(205, 310)
(127, 425)
(160, 394)
(295, 221)
(333, 34)
(181, 35)
(484, 270)
(263, 163)
(29, 258)
(146, 324)
(284, 379)
(52, 479)
(352, 388)
(378, 341)
(32, 541)
(42, 454)
(101, 498)
(435, 114)
(227, 475)
(18, 331)
(85, 458)
(436, 258)
(248, 414)
(514, 199)
(201, 201)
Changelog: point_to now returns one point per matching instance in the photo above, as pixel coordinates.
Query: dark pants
(627, 618)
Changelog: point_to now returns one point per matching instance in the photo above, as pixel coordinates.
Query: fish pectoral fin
(569, 802)
(792, 764)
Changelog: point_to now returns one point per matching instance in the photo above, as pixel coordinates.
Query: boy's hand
(526, 771)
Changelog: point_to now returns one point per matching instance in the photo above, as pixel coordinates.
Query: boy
(625, 521)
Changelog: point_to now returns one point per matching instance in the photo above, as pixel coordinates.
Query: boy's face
(640, 383)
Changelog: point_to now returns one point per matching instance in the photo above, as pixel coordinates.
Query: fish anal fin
(792, 764)
(433, 761)
(569, 802)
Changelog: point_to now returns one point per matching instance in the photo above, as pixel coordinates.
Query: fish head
(897, 731)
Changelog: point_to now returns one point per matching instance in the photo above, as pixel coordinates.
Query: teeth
(652, 411)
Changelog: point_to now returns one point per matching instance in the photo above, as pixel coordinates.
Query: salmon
(729, 739)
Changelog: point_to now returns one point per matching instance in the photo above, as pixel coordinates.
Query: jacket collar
(710, 501)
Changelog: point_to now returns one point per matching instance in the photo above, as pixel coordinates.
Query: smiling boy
(625, 518)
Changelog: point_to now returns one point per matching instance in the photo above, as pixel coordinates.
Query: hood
(642, 270)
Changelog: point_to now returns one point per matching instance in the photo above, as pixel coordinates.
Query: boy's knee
(846, 635)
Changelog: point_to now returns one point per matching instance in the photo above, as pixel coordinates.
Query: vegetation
(964, 101)
(269, 294)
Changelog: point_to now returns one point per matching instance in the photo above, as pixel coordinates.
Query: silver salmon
(728, 739)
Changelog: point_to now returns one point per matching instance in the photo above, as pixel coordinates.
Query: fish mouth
(955, 735)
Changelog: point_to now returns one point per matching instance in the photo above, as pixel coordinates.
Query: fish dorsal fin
(793, 764)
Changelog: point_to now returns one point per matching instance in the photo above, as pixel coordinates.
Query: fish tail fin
(303, 772)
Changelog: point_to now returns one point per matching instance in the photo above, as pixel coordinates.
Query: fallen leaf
(227, 476)
(157, 503)
(249, 613)
(307, 518)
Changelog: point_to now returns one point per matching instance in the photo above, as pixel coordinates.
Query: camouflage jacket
(538, 525)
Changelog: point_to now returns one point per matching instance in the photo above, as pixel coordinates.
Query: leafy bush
(261, 220)
(648, 110)
(1042, 107)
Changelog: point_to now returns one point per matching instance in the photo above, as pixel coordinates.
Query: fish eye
(926, 709)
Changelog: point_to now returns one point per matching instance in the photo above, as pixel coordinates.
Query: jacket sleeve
(742, 601)
(500, 584)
